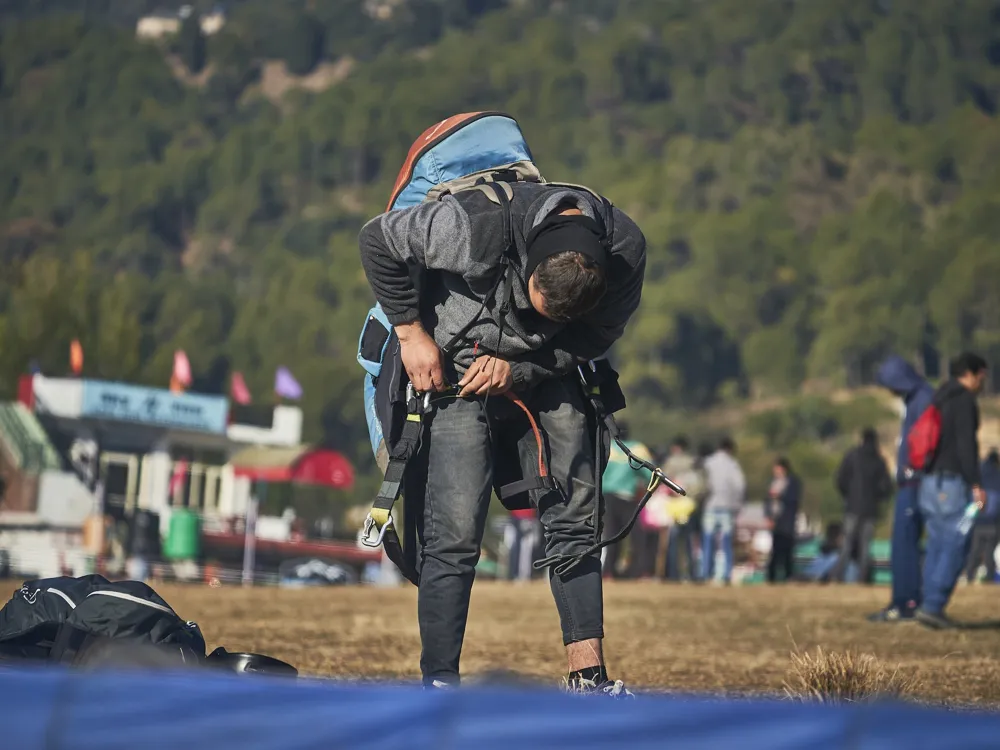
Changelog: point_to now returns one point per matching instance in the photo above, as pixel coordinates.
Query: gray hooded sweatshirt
(727, 486)
(438, 261)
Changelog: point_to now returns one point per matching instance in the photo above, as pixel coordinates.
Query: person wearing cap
(475, 319)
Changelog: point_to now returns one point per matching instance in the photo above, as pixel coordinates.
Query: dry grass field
(671, 638)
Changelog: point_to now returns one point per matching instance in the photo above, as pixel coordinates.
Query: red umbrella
(315, 466)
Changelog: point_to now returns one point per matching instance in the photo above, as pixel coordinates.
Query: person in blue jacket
(898, 376)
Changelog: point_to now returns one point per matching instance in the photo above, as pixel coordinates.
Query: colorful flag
(177, 477)
(182, 368)
(76, 357)
(238, 389)
(286, 386)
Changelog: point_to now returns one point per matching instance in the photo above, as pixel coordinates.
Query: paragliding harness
(396, 412)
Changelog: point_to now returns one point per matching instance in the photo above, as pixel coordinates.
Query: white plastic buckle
(370, 528)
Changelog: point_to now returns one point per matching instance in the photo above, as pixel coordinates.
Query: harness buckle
(370, 527)
(417, 403)
(589, 375)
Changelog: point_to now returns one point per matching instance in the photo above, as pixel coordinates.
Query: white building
(165, 22)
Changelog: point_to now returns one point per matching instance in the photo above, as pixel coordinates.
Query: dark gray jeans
(457, 455)
(856, 544)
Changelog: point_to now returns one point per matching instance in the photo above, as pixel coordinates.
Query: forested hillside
(819, 182)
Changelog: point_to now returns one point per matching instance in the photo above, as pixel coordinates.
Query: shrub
(844, 678)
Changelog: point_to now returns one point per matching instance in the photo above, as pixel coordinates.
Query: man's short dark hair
(869, 436)
(967, 363)
(728, 445)
(784, 463)
(572, 285)
(680, 442)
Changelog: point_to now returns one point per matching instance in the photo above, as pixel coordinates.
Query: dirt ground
(677, 638)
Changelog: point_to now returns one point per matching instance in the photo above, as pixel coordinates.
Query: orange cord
(542, 471)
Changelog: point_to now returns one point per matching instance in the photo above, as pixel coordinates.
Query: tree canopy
(819, 183)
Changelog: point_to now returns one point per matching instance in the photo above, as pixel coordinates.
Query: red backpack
(922, 442)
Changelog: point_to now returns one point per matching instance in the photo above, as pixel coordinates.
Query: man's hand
(421, 357)
(486, 375)
(979, 497)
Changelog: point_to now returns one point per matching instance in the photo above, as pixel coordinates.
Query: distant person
(783, 501)
(898, 376)
(726, 493)
(863, 482)
(823, 564)
(622, 486)
(705, 450)
(683, 468)
(649, 537)
(522, 537)
(951, 483)
(986, 532)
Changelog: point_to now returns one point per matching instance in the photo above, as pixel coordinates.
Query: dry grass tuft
(848, 677)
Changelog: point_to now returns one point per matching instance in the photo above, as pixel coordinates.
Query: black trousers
(984, 543)
(782, 556)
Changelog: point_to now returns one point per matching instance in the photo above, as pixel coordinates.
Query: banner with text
(154, 406)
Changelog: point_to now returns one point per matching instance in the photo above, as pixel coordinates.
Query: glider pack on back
(469, 151)
(475, 151)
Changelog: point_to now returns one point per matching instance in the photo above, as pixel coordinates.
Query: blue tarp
(54, 709)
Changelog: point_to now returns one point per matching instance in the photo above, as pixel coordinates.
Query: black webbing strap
(527, 485)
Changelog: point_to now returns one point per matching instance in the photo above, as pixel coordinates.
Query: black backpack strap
(505, 275)
(609, 224)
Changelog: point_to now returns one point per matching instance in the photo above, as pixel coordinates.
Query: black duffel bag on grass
(93, 622)
(62, 620)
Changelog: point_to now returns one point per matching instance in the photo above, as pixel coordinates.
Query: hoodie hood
(898, 375)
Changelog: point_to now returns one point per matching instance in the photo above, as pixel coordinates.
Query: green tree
(304, 44)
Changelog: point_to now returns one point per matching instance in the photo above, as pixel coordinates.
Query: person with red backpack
(899, 376)
(944, 445)
(498, 283)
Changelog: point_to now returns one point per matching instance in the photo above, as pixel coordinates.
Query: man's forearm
(388, 277)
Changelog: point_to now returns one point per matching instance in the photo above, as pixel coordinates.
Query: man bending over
(431, 268)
